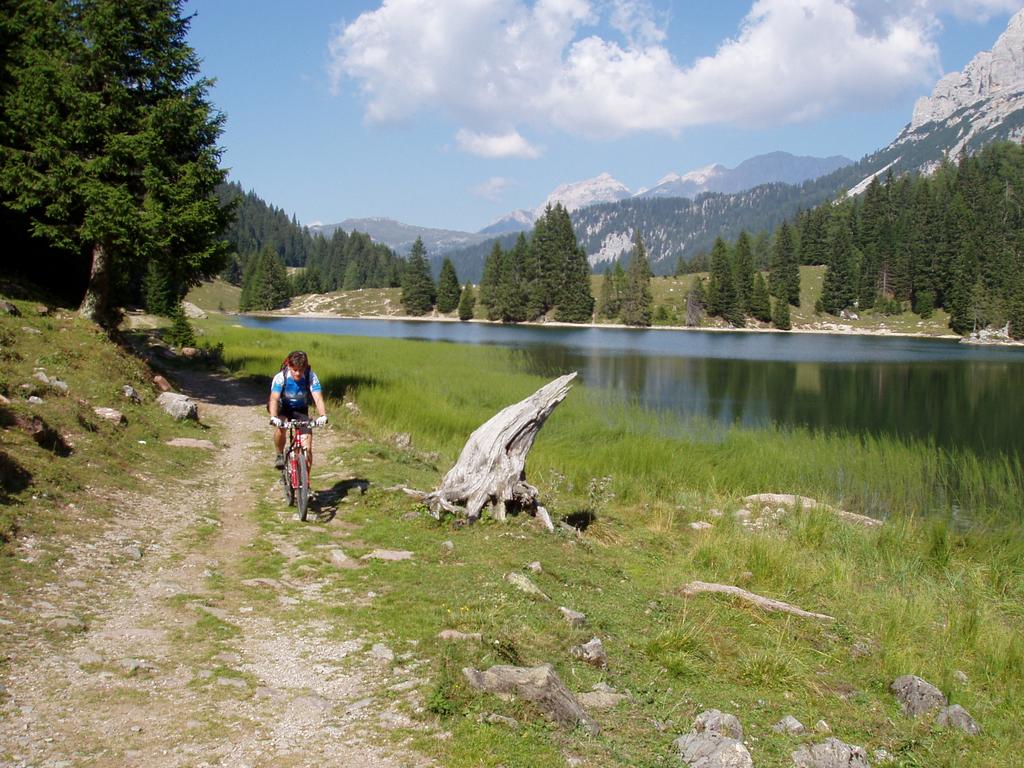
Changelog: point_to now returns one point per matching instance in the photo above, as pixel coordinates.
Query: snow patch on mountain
(612, 247)
(580, 194)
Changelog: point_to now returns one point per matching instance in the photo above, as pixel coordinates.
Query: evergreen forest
(952, 240)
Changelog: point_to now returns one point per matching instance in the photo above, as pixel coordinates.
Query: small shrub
(180, 333)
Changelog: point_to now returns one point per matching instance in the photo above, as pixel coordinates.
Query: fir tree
(784, 277)
(837, 291)
(637, 299)
(743, 271)
(613, 288)
(447, 288)
(696, 301)
(489, 282)
(467, 303)
(760, 303)
(418, 292)
(180, 334)
(109, 143)
(510, 293)
(723, 299)
(265, 284)
(780, 315)
(159, 295)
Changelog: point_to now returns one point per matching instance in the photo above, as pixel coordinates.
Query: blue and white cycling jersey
(294, 393)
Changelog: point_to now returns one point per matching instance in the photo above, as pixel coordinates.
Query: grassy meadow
(918, 595)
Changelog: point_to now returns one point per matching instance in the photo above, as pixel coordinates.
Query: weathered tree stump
(490, 470)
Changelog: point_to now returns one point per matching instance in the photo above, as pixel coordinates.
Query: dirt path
(153, 648)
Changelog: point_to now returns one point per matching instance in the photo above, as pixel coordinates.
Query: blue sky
(451, 113)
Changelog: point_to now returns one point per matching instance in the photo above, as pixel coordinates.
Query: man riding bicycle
(290, 392)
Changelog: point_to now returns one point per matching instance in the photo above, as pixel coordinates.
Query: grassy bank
(915, 596)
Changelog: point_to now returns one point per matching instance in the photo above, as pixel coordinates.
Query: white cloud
(492, 189)
(509, 144)
(491, 64)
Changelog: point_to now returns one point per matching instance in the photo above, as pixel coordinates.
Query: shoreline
(834, 331)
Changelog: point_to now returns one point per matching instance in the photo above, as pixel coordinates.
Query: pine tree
(180, 334)
(109, 145)
(760, 303)
(780, 315)
(637, 299)
(613, 289)
(837, 291)
(447, 288)
(784, 277)
(510, 293)
(696, 302)
(265, 284)
(158, 294)
(723, 299)
(467, 303)
(489, 282)
(743, 271)
(418, 292)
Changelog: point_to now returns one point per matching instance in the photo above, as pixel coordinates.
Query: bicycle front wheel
(302, 491)
(286, 480)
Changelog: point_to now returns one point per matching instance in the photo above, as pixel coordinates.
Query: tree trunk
(490, 469)
(96, 302)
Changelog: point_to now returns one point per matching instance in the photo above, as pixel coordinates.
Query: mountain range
(681, 215)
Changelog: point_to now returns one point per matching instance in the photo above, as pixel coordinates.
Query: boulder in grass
(592, 653)
(112, 415)
(575, 618)
(830, 754)
(162, 384)
(714, 742)
(130, 393)
(181, 407)
(9, 309)
(957, 717)
(917, 696)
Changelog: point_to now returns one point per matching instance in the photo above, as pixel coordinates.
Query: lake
(955, 395)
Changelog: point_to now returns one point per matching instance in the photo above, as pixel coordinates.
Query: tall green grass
(440, 393)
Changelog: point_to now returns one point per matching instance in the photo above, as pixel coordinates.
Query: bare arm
(274, 404)
(321, 408)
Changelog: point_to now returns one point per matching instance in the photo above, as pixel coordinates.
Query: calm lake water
(956, 395)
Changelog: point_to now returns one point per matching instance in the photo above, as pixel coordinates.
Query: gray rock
(575, 618)
(822, 727)
(192, 311)
(9, 309)
(539, 685)
(450, 635)
(392, 555)
(382, 652)
(136, 666)
(162, 384)
(35, 400)
(192, 442)
(701, 525)
(31, 331)
(493, 718)
(339, 558)
(961, 677)
(40, 375)
(883, 756)
(917, 696)
(957, 717)
(591, 652)
(603, 696)
(520, 582)
(133, 551)
(535, 567)
(719, 723)
(180, 407)
(710, 750)
(831, 754)
(60, 387)
(112, 415)
(129, 392)
(447, 546)
(790, 725)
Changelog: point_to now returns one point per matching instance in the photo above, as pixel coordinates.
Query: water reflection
(952, 403)
(952, 394)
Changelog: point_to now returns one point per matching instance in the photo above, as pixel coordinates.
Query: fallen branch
(491, 468)
(766, 603)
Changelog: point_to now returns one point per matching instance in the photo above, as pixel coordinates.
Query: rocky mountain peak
(989, 74)
(601, 189)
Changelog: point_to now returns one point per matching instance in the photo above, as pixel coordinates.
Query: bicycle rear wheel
(302, 491)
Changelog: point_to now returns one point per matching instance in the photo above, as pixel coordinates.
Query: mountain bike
(295, 475)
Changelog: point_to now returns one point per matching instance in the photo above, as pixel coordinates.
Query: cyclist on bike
(290, 392)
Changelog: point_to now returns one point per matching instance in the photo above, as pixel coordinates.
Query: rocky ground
(151, 647)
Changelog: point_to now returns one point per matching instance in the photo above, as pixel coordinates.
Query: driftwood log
(491, 468)
(765, 603)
